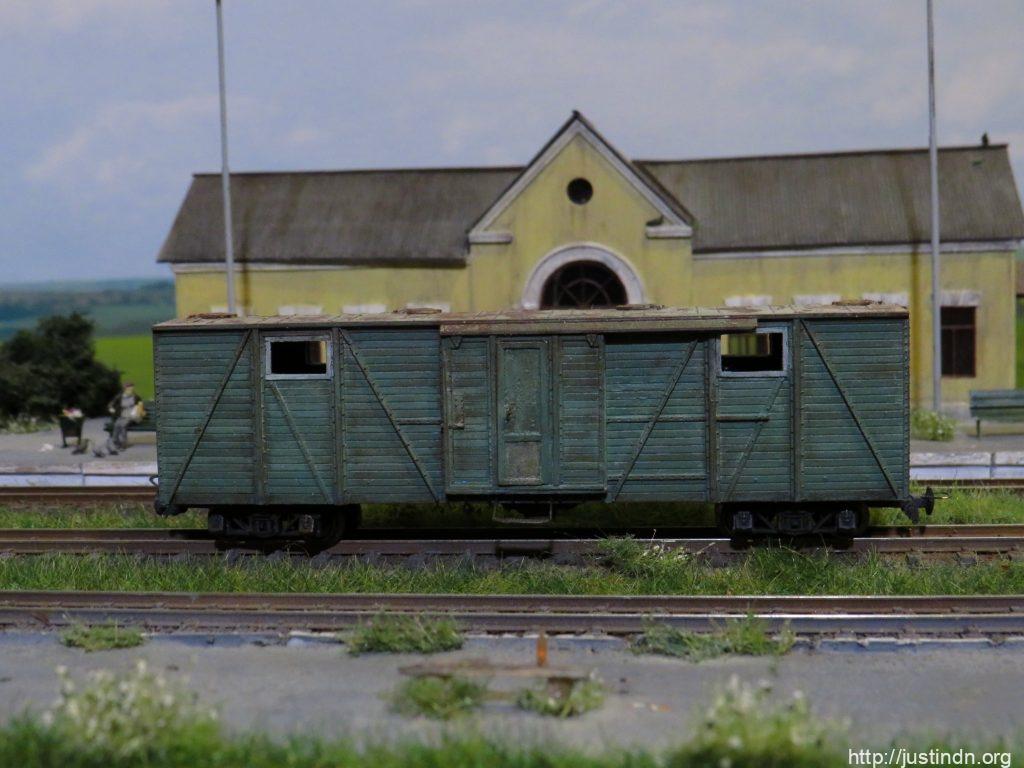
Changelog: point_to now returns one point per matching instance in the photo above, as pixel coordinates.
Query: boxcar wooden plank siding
(838, 449)
(405, 370)
(755, 449)
(189, 371)
(580, 405)
(415, 411)
(671, 463)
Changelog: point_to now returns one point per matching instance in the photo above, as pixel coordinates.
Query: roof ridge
(833, 153)
(344, 171)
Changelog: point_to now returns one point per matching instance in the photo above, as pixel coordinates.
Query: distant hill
(117, 307)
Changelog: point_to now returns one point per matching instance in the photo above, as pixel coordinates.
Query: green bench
(148, 423)
(996, 405)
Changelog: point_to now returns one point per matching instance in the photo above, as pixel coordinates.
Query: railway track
(83, 494)
(812, 616)
(563, 544)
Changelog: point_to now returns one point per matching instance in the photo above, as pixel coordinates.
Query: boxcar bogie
(789, 420)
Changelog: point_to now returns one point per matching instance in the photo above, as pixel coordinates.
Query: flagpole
(933, 170)
(225, 174)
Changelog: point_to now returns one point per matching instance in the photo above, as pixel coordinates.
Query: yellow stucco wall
(542, 219)
(851, 276)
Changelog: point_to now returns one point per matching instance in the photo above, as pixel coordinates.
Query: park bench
(996, 405)
(148, 423)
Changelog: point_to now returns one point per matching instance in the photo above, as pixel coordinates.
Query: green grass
(400, 633)
(743, 637)
(765, 571)
(133, 357)
(580, 698)
(101, 637)
(439, 698)
(962, 507)
(127, 515)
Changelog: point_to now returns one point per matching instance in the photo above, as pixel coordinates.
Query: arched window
(583, 285)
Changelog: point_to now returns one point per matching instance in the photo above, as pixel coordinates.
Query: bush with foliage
(53, 367)
(930, 425)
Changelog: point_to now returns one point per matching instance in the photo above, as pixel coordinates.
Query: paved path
(42, 449)
(653, 702)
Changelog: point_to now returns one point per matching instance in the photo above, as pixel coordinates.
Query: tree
(54, 367)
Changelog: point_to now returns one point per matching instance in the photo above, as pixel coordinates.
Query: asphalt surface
(652, 702)
(43, 449)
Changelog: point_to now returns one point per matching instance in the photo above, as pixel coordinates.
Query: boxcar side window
(763, 352)
(298, 358)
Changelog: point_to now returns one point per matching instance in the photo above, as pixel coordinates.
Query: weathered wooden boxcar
(789, 419)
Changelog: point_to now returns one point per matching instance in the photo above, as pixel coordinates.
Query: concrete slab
(653, 702)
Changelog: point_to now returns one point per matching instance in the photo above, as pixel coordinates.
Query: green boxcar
(789, 419)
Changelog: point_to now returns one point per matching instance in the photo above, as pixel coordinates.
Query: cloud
(68, 15)
(122, 143)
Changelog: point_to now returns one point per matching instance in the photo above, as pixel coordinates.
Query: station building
(582, 225)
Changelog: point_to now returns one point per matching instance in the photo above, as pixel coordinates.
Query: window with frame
(959, 335)
(298, 358)
(750, 353)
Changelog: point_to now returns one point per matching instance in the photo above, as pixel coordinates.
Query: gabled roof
(672, 211)
(846, 198)
(424, 216)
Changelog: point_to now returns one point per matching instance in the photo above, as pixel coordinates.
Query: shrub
(52, 367)
(440, 698)
(930, 425)
(403, 633)
(743, 728)
(581, 697)
(138, 716)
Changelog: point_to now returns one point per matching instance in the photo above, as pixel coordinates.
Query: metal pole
(225, 174)
(933, 169)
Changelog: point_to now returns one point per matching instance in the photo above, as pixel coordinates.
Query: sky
(108, 106)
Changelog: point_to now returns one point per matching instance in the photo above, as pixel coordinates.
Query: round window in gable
(580, 191)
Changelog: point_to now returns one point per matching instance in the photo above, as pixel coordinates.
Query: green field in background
(133, 356)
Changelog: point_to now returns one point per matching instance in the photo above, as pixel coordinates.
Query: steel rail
(815, 615)
(85, 494)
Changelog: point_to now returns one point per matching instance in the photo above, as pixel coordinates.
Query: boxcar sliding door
(523, 427)
(524, 415)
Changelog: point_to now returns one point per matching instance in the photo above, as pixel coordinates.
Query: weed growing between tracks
(765, 572)
(101, 637)
(399, 633)
(745, 637)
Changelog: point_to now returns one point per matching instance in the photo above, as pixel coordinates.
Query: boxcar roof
(549, 321)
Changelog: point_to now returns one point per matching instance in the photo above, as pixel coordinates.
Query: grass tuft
(764, 571)
(403, 633)
(101, 637)
(583, 696)
(745, 637)
(439, 698)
